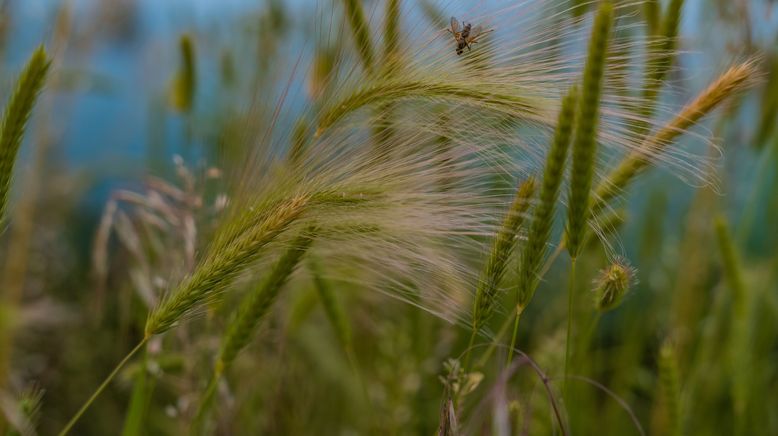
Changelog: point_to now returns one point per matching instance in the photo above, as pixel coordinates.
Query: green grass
(359, 228)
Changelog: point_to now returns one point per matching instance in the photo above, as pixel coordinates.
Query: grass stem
(101, 388)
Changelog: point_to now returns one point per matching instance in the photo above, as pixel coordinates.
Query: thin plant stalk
(543, 216)
(12, 130)
(569, 335)
(69, 426)
(584, 153)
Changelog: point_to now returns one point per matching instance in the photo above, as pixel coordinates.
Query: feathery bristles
(361, 32)
(183, 92)
(661, 57)
(735, 80)
(515, 101)
(507, 101)
(17, 112)
(543, 216)
(222, 264)
(585, 142)
(525, 63)
(612, 285)
(502, 248)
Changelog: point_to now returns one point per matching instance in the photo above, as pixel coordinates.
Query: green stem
(517, 316)
(466, 366)
(102, 387)
(570, 305)
(493, 345)
(587, 339)
(200, 421)
(752, 204)
(506, 324)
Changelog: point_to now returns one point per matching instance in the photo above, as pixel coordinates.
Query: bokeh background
(108, 123)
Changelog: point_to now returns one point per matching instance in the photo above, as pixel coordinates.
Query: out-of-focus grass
(360, 118)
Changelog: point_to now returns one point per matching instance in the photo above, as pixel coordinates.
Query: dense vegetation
(380, 220)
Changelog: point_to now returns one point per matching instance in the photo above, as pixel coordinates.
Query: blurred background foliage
(113, 212)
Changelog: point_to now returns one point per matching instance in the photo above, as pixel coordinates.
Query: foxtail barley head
(585, 142)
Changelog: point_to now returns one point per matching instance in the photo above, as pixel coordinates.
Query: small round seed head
(612, 284)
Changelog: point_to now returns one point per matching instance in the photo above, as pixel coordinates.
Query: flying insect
(465, 35)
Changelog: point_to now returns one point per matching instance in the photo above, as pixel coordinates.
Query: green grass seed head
(585, 142)
(543, 216)
(502, 248)
(15, 116)
(254, 306)
(222, 264)
(670, 387)
(612, 284)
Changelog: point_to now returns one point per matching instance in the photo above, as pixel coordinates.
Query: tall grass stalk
(739, 335)
(384, 128)
(137, 410)
(17, 112)
(503, 246)
(251, 310)
(670, 386)
(584, 153)
(585, 142)
(332, 309)
(543, 216)
(661, 56)
(391, 32)
(184, 84)
(12, 128)
(651, 14)
(361, 32)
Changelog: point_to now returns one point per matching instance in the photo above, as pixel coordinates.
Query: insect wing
(477, 30)
(454, 26)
